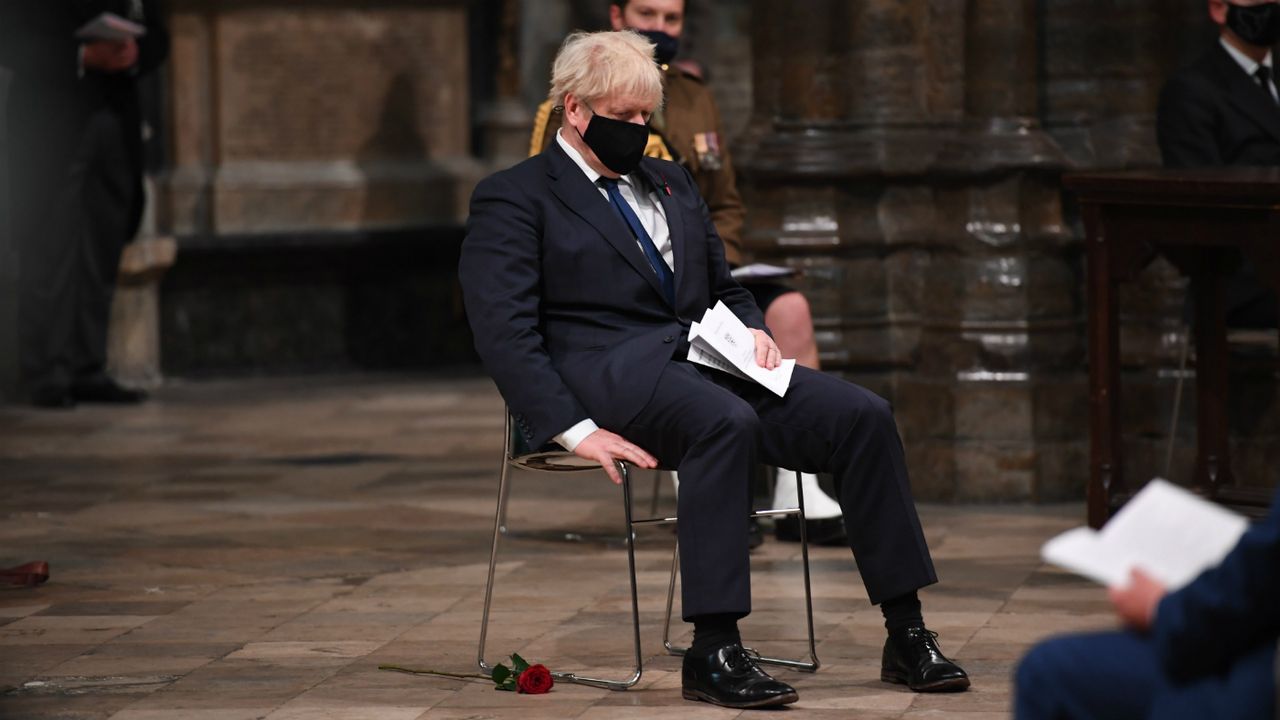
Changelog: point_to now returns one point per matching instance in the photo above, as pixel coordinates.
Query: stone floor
(255, 549)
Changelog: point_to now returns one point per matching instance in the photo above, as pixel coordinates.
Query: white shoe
(817, 504)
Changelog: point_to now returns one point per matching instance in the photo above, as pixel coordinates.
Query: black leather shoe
(55, 397)
(912, 658)
(730, 677)
(828, 532)
(103, 389)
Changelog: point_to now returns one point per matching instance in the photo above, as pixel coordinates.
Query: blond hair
(595, 65)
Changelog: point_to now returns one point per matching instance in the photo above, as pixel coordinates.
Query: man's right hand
(605, 448)
(110, 56)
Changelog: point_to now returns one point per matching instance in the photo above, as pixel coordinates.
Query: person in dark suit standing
(1205, 652)
(581, 270)
(76, 173)
(1224, 110)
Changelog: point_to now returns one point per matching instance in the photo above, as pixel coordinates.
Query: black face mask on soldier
(1255, 24)
(619, 144)
(665, 46)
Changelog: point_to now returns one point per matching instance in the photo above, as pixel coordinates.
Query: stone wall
(313, 145)
(905, 155)
(318, 115)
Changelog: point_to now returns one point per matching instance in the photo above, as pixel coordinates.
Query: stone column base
(133, 342)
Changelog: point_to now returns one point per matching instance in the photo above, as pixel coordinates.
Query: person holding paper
(582, 270)
(686, 129)
(76, 132)
(1206, 651)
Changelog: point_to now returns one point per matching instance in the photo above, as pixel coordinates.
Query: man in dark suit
(1205, 652)
(1223, 110)
(581, 270)
(76, 175)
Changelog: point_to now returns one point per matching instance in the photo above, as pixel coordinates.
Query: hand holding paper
(1166, 531)
(722, 342)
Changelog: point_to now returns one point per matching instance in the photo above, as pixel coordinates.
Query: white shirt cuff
(570, 438)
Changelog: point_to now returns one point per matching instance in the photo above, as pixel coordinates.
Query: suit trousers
(1118, 676)
(71, 257)
(713, 427)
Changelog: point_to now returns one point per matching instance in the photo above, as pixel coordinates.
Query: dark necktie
(1263, 73)
(665, 277)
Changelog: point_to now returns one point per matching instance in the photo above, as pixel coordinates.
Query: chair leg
(1177, 403)
(810, 665)
(499, 519)
(657, 489)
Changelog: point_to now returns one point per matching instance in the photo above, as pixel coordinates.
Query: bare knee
(791, 322)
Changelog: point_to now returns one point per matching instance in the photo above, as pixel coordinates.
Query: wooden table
(1197, 219)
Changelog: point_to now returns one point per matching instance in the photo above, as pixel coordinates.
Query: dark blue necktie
(665, 277)
(1263, 74)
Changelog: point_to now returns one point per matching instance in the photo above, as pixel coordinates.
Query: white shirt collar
(1245, 62)
(581, 162)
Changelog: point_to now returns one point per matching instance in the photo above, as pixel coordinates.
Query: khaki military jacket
(686, 130)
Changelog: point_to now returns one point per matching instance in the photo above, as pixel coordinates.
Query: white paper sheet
(110, 26)
(762, 271)
(721, 341)
(1167, 531)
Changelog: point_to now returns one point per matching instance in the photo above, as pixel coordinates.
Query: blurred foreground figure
(76, 163)
(1205, 652)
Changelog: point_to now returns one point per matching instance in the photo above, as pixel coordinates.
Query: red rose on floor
(535, 680)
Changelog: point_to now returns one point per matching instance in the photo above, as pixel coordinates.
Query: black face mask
(619, 144)
(1255, 24)
(665, 46)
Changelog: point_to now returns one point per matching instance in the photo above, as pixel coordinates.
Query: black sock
(711, 632)
(902, 612)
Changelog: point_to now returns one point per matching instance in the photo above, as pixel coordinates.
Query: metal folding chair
(516, 454)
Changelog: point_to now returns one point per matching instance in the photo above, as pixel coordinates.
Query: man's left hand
(1136, 603)
(768, 356)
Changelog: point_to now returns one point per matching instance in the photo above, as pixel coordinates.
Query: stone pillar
(133, 343)
(894, 156)
(8, 263)
(506, 121)
(1009, 350)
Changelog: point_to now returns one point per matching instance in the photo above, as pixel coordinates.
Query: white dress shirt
(1247, 64)
(648, 207)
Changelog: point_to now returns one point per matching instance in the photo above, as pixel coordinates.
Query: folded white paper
(761, 271)
(722, 342)
(1170, 533)
(110, 26)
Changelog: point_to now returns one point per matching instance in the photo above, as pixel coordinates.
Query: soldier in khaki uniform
(687, 130)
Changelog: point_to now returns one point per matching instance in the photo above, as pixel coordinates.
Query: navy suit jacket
(1212, 113)
(568, 315)
(1227, 611)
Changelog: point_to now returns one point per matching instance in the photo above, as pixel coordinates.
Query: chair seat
(554, 461)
